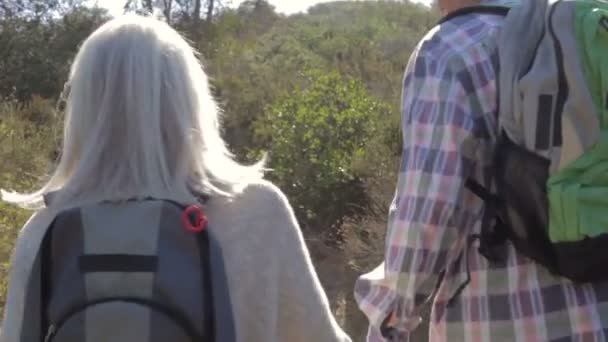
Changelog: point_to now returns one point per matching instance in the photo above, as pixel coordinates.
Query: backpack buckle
(492, 241)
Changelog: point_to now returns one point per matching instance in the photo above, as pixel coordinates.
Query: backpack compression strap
(497, 10)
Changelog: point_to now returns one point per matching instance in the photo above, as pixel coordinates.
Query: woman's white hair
(140, 122)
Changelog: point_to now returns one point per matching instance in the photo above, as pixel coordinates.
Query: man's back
(449, 119)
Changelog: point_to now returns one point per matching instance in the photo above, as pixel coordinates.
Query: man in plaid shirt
(449, 122)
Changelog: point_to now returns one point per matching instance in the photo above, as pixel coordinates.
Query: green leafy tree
(36, 9)
(35, 55)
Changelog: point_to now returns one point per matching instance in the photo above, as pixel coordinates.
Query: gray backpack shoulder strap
(541, 82)
(519, 41)
(496, 10)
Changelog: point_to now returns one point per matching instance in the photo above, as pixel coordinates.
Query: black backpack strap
(496, 10)
(493, 233)
(204, 247)
(209, 305)
(46, 262)
(480, 190)
(491, 237)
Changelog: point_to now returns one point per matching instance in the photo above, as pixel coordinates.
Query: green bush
(319, 139)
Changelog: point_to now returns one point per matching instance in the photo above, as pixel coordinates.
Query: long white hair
(140, 122)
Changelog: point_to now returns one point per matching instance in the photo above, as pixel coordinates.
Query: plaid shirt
(449, 121)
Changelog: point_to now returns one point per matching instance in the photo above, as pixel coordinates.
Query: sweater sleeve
(22, 263)
(304, 312)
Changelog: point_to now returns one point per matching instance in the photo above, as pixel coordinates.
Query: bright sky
(284, 6)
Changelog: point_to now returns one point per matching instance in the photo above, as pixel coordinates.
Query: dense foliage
(319, 137)
(318, 92)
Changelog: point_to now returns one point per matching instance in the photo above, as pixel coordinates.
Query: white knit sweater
(274, 289)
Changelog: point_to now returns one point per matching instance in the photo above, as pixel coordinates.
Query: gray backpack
(132, 271)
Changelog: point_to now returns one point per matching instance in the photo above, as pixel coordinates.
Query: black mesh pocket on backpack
(521, 178)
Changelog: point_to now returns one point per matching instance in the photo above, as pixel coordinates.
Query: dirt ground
(338, 267)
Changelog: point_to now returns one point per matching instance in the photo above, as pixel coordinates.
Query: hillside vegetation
(319, 92)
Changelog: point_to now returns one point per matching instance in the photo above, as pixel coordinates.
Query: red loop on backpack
(200, 220)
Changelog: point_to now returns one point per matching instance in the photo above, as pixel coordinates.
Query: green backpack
(549, 183)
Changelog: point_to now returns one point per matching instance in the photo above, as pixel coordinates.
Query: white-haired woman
(140, 123)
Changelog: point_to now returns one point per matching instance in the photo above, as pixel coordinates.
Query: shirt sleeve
(427, 219)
